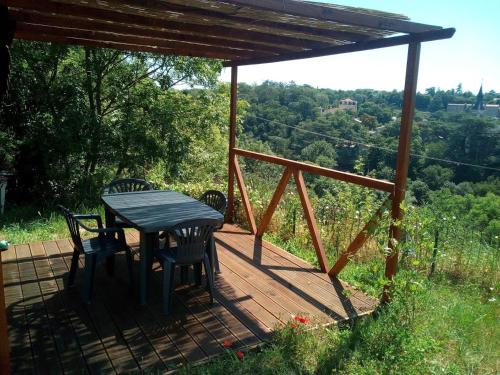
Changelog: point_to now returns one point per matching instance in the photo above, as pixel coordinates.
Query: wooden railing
(296, 169)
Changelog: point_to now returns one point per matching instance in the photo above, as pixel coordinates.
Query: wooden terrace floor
(260, 288)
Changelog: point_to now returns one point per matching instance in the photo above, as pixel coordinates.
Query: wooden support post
(280, 189)
(244, 196)
(232, 145)
(311, 222)
(360, 239)
(410, 92)
(7, 27)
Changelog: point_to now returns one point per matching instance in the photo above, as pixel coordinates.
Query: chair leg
(215, 258)
(74, 267)
(130, 263)
(184, 274)
(210, 277)
(197, 273)
(110, 265)
(168, 286)
(90, 263)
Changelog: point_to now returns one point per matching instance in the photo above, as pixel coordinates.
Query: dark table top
(157, 210)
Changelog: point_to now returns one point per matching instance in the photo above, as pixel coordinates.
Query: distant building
(349, 105)
(346, 104)
(479, 108)
(492, 110)
(453, 107)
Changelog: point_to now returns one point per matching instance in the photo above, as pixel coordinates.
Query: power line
(369, 145)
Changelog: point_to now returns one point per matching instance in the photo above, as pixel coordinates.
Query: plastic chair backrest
(191, 238)
(73, 227)
(126, 185)
(215, 199)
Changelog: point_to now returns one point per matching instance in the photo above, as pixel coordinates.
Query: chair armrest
(89, 217)
(102, 231)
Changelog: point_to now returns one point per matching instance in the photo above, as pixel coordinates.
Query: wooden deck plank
(226, 297)
(119, 353)
(45, 354)
(325, 279)
(159, 354)
(19, 338)
(318, 285)
(277, 291)
(244, 336)
(358, 298)
(181, 313)
(292, 276)
(261, 287)
(95, 354)
(176, 326)
(67, 346)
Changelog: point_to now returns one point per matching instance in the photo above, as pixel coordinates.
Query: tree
(83, 115)
(321, 153)
(435, 176)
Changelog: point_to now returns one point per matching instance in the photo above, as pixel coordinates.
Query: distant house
(479, 108)
(349, 105)
(454, 107)
(346, 104)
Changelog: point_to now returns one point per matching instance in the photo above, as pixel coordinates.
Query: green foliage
(435, 176)
(277, 117)
(79, 117)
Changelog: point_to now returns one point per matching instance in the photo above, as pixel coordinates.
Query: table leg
(147, 241)
(110, 219)
(110, 223)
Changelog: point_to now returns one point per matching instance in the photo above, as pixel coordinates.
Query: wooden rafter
(163, 10)
(70, 11)
(353, 47)
(241, 31)
(42, 19)
(349, 17)
(99, 36)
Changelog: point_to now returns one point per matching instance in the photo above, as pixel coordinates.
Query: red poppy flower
(240, 355)
(302, 319)
(227, 344)
(293, 325)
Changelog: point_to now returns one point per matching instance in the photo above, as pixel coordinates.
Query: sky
(471, 57)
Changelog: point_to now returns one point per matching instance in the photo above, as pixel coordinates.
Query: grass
(431, 327)
(442, 325)
(26, 224)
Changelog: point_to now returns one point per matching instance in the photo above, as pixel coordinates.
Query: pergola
(239, 32)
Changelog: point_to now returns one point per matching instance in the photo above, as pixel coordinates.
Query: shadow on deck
(260, 288)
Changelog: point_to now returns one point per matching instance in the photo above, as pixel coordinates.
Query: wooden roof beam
(110, 16)
(22, 17)
(105, 44)
(353, 47)
(206, 13)
(183, 48)
(349, 17)
(188, 14)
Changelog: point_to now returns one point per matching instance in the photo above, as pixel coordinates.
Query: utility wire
(368, 145)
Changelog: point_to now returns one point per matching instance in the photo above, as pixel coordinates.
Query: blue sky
(471, 56)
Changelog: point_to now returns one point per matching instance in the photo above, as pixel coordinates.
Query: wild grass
(428, 328)
(26, 224)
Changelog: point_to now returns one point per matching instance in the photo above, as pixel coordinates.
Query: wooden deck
(260, 288)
